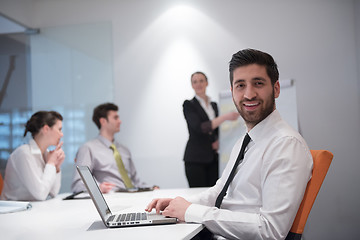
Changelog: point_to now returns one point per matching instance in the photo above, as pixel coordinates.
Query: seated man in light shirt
(99, 155)
(269, 181)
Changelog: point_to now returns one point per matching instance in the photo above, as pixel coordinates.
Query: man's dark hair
(101, 111)
(252, 56)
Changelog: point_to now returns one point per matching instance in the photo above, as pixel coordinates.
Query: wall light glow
(177, 43)
(181, 15)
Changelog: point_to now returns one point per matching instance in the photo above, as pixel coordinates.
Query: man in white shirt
(98, 155)
(264, 195)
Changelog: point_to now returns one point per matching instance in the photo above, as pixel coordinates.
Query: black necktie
(239, 159)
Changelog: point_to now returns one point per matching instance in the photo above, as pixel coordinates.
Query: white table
(79, 219)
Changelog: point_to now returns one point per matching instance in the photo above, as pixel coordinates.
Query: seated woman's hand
(56, 157)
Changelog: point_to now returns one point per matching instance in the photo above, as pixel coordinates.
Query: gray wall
(357, 32)
(314, 42)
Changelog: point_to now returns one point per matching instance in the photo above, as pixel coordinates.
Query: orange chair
(1, 184)
(322, 160)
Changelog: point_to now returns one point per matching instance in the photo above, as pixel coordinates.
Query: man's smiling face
(253, 94)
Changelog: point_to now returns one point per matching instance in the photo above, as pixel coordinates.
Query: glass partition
(68, 69)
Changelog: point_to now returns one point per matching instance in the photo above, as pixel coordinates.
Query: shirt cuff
(51, 167)
(195, 213)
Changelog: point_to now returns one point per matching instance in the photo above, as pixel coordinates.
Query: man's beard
(253, 118)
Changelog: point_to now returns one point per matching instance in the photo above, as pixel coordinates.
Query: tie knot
(113, 147)
(247, 139)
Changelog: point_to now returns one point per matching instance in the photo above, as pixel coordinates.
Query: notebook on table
(118, 220)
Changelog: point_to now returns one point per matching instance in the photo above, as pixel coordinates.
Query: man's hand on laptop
(170, 207)
(159, 204)
(106, 187)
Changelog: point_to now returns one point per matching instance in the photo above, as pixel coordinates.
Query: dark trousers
(202, 174)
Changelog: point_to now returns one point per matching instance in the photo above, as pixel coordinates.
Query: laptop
(118, 220)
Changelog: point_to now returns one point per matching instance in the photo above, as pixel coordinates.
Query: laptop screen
(94, 191)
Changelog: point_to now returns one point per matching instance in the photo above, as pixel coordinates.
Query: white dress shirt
(99, 157)
(207, 107)
(266, 192)
(28, 177)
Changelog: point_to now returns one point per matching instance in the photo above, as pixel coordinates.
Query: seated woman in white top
(32, 172)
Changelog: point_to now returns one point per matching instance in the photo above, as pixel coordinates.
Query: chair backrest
(1, 184)
(322, 160)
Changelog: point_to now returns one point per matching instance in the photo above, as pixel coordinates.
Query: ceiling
(9, 26)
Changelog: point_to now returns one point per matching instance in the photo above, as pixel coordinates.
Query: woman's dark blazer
(201, 136)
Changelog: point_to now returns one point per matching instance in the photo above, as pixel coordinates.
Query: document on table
(14, 206)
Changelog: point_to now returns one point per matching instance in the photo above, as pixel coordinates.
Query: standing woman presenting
(32, 172)
(202, 117)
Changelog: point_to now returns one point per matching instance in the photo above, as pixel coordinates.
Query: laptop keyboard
(128, 217)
